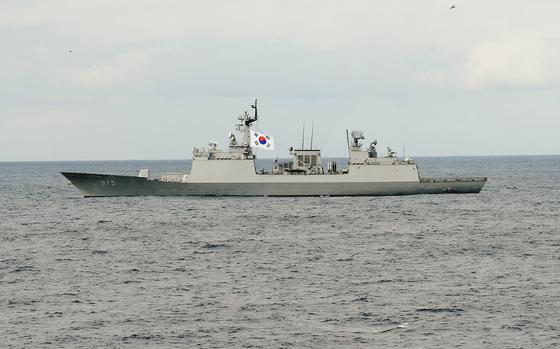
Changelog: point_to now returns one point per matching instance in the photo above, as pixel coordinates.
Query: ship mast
(245, 128)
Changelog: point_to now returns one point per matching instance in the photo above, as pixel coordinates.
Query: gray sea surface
(427, 271)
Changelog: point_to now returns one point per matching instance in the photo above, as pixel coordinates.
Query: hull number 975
(108, 183)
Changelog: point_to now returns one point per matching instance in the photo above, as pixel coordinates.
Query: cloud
(386, 42)
(515, 62)
(126, 68)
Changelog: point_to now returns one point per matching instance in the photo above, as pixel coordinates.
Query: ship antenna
(312, 124)
(348, 143)
(254, 106)
(303, 135)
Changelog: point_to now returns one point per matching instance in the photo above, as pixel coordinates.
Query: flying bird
(69, 51)
(452, 7)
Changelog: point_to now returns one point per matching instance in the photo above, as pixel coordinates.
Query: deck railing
(454, 179)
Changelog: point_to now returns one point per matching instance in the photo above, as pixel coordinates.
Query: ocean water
(428, 271)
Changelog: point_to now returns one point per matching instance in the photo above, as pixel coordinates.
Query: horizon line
(272, 158)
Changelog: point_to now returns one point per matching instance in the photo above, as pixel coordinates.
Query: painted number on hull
(108, 183)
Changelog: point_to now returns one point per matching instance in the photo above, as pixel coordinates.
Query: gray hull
(114, 185)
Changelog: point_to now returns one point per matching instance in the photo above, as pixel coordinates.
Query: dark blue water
(476, 270)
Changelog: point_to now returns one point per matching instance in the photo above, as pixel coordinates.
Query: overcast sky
(153, 79)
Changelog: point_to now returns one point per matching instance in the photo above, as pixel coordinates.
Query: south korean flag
(261, 141)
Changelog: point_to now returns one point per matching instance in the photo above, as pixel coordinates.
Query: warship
(233, 172)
